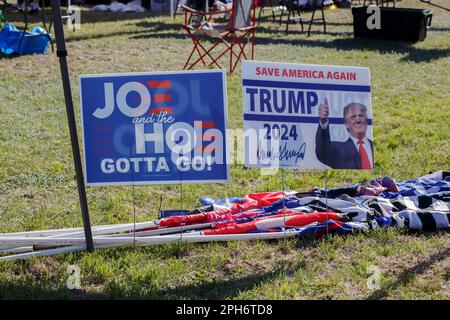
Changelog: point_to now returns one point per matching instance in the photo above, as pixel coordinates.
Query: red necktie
(365, 163)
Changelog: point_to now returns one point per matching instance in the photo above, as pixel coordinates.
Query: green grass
(411, 108)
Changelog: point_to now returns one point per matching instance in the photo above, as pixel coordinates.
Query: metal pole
(61, 52)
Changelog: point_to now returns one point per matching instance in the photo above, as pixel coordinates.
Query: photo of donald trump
(354, 153)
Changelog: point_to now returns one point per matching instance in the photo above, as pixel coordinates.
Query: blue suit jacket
(337, 155)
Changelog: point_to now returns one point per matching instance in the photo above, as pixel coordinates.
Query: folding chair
(383, 3)
(273, 8)
(292, 6)
(321, 6)
(201, 5)
(231, 37)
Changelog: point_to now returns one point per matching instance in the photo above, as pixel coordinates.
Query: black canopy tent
(61, 52)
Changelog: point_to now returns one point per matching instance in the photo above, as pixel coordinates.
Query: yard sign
(154, 128)
(283, 124)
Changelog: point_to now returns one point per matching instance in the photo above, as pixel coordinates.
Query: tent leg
(61, 52)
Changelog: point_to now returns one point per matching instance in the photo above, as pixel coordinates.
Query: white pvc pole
(18, 250)
(24, 241)
(163, 231)
(101, 230)
(112, 229)
(50, 252)
(29, 241)
(153, 240)
(42, 233)
(52, 232)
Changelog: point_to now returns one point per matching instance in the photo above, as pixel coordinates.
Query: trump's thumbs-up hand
(324, 111)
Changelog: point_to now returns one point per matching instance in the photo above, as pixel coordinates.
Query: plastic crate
(404, 24)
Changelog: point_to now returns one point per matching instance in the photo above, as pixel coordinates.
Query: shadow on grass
(8, 57)
(171, 31)
(437, 29)
(224, 289)
(74, 37)
(146, 288)
(406, 276)
(30, 291)
(87, 16)
(411, 53)
(344, 41)
(295, 30)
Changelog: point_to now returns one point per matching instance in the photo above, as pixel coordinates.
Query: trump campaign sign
(307, 116)
(154, 128)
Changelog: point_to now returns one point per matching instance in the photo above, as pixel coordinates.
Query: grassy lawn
(411, 111)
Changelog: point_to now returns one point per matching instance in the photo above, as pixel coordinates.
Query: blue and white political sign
(307, 116)
(154, 128)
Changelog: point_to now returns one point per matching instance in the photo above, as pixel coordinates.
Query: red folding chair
(212, 41)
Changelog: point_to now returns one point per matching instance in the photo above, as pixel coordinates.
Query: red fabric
(365, 163)
(224, 223)
(331, 227)
(308, 218)
(293, 219)
(183, 220)
(250, 202)
(232, 229)
(266, 198)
